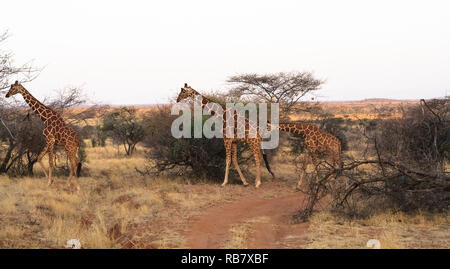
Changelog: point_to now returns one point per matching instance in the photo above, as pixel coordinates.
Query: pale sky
(142, 52)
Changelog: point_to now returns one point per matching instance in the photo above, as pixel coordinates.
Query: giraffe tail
(267, 164)
(78, 169)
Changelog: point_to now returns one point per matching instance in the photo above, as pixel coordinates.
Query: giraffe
(316, 141)
(56, 132)
(231, 142)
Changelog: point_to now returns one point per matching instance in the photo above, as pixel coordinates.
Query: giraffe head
(186, 92)
(15, 89)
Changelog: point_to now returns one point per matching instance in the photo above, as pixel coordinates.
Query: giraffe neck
(38, 108)
(206, 101)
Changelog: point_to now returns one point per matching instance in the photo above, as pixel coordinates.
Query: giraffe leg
(41, 155)
(336, 159)
(236, 164)
(228, 160)
(314, 160)
(336, 163)
(315, 163)
(50, 161)
(302, 174)
(257, 155)
(73, 166)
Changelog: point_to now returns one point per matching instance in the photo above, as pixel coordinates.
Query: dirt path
(258, 220)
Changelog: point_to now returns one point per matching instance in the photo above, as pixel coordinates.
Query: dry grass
(393, 230)
(7, 204)
(117, 208)
(357, 110)
(107, 213)
(9, 234)
(240, 234)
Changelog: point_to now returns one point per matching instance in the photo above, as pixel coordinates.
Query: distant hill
(370, 108)
(384, 100)
(373, 100)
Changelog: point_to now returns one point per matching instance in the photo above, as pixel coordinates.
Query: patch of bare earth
(259, 219)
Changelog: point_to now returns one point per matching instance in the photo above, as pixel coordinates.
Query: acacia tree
(287, 89)
(124, 128)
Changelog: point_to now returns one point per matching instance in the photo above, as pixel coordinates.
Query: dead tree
(405, 168)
